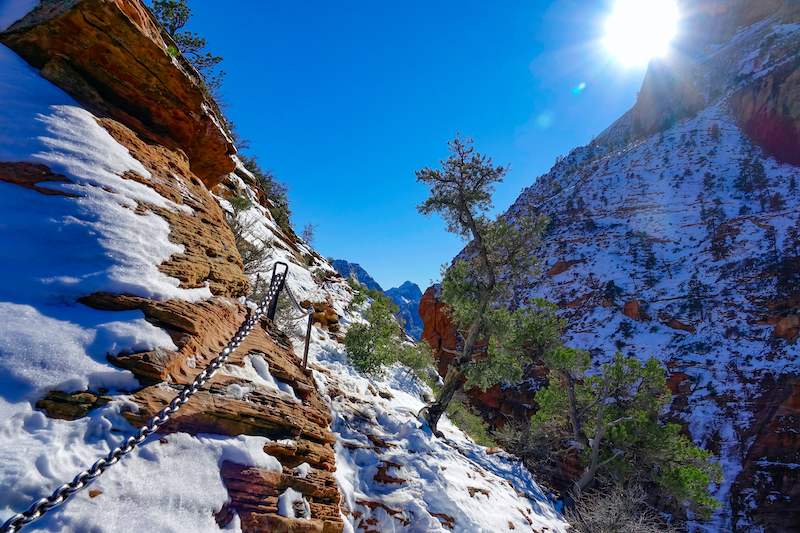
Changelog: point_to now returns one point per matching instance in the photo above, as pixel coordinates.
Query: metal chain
(82, 480)
(297, 306)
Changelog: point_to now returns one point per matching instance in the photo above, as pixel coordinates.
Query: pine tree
(173, 16)
(614, 417)
(698, 292)
(477, 287)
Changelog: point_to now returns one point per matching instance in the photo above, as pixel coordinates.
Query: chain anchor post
(85, 478)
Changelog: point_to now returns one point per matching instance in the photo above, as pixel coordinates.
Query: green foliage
(696, 295)
(615, 417)
(612, 291)
(375, 294)
(371, 346)
(358, 299)
(240, 202)
(380, 343)
(419, 360)
(463, 186)
(516, 337)
(276, 191)
(173, 16)
(715, 131)
(478, 286)
(463, 415)
(752, 176)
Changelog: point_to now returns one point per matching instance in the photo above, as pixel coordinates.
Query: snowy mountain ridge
(407, 297)
(125, 283)
(684, 245)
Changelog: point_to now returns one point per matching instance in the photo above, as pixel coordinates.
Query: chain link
(297, 306)
(82, 480)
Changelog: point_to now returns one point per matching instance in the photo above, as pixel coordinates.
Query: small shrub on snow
(380, 343)
(420, 362)
(371, 346)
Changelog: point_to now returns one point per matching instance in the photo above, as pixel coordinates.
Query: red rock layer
(496, 404)
(114, 59)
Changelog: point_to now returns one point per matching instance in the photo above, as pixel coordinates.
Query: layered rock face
(237, 402)
(114, 59)
(763, 89)
(683, 244)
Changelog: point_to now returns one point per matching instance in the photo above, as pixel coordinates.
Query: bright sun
(640, 29)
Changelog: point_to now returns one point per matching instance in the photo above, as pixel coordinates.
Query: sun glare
(640, 29)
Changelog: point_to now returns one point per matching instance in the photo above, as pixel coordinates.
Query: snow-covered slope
(396, 476)
(107, 231)
(86, 238)
(684, 245)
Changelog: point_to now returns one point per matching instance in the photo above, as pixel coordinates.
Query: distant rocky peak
(355, 271)
(407, 297)
(407, 290)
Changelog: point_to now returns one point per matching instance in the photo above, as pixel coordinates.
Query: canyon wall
(689, 205)
(114, 60)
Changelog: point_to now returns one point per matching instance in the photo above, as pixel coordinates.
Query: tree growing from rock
(477, 286)
(173, 16)
(613, 417)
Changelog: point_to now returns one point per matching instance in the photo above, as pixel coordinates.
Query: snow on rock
(395, 475)
(91, 243)
(170, 484)
(697, 228)
(291, 504)
(97, 242)
(106, 232)
(100, 226)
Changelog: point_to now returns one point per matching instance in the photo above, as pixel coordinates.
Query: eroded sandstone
(114, 59)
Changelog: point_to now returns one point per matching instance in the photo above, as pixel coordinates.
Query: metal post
(273, 304)
(308, 337)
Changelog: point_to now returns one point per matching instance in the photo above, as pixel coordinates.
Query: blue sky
(344, 100)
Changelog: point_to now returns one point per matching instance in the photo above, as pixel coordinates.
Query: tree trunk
(455, 371)
(452, 382)
(574, 492)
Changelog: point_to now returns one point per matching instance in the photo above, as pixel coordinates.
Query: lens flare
(640, 29)
(579, 88)
(545, 120)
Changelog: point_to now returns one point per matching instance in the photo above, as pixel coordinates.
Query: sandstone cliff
(689, 205)
(156, 276)
(124, 280)
(715, 58)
